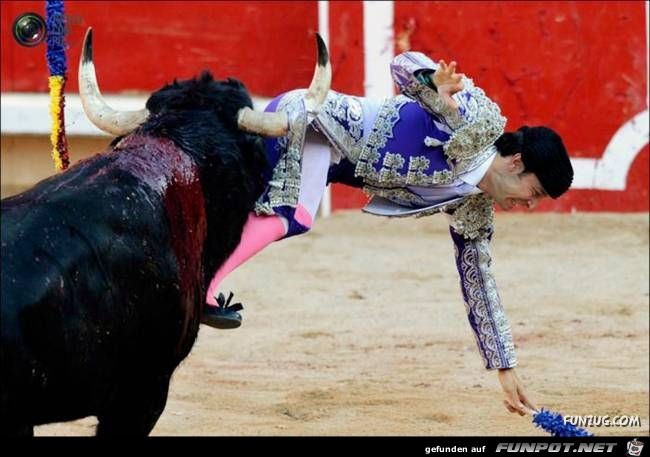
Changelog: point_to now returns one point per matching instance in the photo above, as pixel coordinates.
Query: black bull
(105, 266)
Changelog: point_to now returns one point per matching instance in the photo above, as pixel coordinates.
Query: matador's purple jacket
(413, 140)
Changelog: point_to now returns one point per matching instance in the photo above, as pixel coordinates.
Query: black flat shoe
(224, 315)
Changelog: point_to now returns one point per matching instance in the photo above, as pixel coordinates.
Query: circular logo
(29, 29)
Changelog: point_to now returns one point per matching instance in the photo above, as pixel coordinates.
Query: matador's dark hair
(543, 154)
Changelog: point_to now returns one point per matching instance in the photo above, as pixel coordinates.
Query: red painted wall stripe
(578, 67)
(141, 45)
(346, 49)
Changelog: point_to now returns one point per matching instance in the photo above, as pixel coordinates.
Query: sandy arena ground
(358, 328)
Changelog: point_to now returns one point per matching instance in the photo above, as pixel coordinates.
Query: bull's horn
(103, 116)
(277, 124)
(266, 124)
(320, 83)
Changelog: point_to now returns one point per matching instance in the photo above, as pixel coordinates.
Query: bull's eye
(29, 29)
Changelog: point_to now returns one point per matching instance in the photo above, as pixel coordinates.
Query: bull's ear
(99, 113)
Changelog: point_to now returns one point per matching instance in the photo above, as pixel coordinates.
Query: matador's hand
(516, 400)
(448, 82)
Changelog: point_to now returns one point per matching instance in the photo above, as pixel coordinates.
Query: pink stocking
(259, 232)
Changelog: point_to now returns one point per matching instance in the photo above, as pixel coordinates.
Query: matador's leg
(260, 231)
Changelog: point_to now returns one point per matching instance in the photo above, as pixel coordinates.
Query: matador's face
(521, 189)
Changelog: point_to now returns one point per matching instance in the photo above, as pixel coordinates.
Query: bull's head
(120, 123)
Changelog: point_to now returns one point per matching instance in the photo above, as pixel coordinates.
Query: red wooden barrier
(579, 67)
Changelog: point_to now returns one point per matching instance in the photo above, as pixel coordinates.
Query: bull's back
(88, 282)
